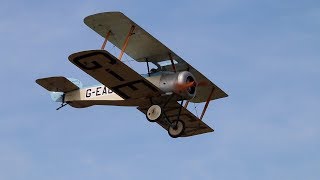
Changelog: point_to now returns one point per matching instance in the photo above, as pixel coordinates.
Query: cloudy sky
(264, 54)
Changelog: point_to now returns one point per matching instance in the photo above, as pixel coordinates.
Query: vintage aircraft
(160, 94)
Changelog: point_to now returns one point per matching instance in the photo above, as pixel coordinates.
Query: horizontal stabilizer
(57, 84)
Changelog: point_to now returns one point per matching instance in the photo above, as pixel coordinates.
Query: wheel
(176, 129)
(154, 113)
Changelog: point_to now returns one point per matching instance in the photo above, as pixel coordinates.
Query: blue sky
(264, 54)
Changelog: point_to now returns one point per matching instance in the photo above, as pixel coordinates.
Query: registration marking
(98, 91)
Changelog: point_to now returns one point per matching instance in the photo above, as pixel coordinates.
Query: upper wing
(144, 46)
(114, 74)
(57, 84)
(193, 125)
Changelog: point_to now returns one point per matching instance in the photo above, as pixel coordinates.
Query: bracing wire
(127, 60)
(195, 108)
(114, 50)
(125, 55)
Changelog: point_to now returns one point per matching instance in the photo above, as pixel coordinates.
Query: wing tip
(92, 16)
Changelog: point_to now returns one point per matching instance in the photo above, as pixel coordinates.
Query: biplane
(162, 94)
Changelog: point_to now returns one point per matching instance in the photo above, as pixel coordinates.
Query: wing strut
(172, 63)
(148, 67)
(186, 104)
(126, 42)
(106, 40)
(207, 103)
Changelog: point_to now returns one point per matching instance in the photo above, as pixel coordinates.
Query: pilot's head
(153, 70)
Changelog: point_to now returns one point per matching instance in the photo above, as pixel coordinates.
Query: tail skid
(63, 103)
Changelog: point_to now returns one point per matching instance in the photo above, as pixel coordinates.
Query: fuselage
(102, 95)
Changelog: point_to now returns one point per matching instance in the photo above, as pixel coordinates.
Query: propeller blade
(190, 84)
(185, 85)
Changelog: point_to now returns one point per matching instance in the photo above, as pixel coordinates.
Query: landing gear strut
(156, 112)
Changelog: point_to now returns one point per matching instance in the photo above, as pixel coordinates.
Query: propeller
(187, 85)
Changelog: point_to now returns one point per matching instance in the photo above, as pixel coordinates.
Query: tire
(154, 113)
(177, 131)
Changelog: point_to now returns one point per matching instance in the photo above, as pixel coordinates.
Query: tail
(59, 85)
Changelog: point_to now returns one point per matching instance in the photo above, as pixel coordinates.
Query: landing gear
(176, 129)
(154, 113)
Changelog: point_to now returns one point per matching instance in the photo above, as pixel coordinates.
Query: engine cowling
(171, 82)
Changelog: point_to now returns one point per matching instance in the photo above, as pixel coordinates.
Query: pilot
(153, 70)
